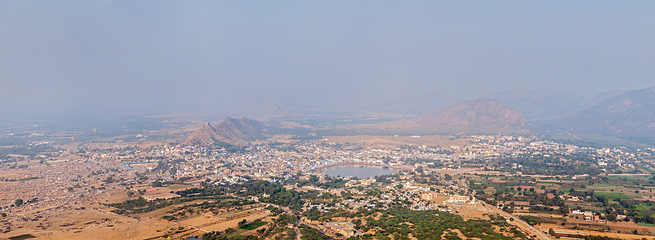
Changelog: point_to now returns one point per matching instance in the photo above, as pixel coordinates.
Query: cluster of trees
(432, 224)
(386, 179)
(268, 192)
(309, 233)
(278, 226)
(17, 180)
(314, 181)
(182, 211)
(16, 166)
(141, 205)
(277, 194)
(399, 222)
(274, 210)
(219, 236)
(312, 214)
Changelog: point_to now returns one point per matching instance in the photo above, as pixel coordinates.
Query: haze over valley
(327, 120)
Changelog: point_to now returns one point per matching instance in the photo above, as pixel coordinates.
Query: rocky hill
(630, 115)
(237, 132)
(487, 116)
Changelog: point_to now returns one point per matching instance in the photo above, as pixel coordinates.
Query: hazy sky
(172, 55)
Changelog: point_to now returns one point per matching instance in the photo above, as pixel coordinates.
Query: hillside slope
(237, 132)
(630, 115)
(543, 104)
(487, 116)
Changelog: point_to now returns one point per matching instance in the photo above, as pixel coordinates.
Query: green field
(586, 208)
(645, 206)
(613, 195)
(630, 178)
(253, 225)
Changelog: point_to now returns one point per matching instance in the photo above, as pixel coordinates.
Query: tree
(18, 202)
(313, 214)
(448, 177)
(551, 232)
(313, 178)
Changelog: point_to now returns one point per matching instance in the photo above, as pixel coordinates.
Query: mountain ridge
(236, 132)
(630, 115)
(489, 116)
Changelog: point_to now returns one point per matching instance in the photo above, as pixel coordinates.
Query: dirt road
(519, 223)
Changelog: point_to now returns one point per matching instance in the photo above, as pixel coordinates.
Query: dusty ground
(88, 224)
(473, 211)
(199, 220)
(235, 222)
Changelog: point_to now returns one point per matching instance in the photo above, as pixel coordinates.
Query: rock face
(487, 116)
(630, 115)
(236, 132)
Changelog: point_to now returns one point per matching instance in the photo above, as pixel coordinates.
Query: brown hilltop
(487, 116)
(237, 132)
(206, 135)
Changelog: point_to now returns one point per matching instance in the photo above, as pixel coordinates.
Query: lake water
(361, 171)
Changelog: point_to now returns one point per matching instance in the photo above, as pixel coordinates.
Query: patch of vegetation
(253, 225)
(22, 237)
(141, 205)
(309, 233)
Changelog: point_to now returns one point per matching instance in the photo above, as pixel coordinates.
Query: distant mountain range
(630, 115)
(627, 115)
(533, 104)
(544, 104)
(236, 132)
(482, 116)
(618, 114)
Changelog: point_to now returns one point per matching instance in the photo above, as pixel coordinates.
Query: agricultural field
(604, 203)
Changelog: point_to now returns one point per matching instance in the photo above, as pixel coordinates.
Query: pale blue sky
(176, 55)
